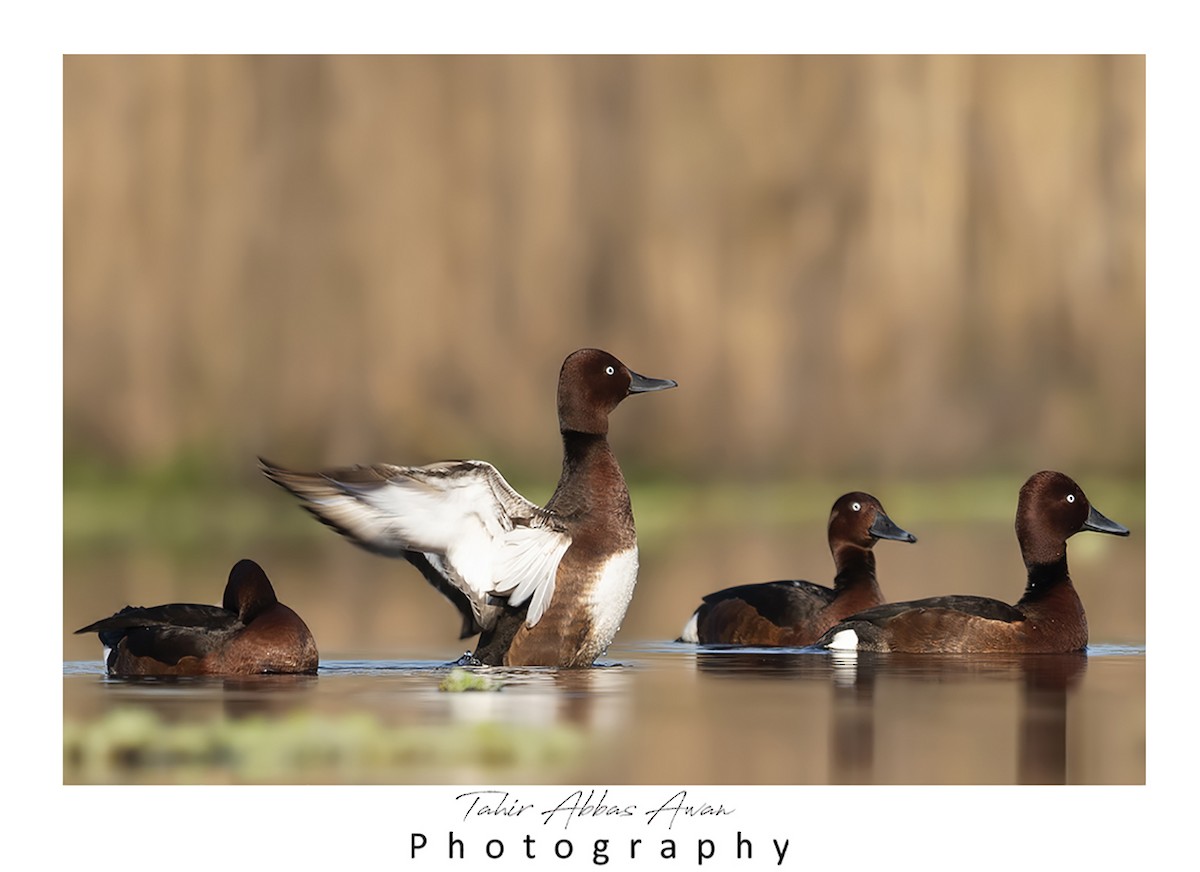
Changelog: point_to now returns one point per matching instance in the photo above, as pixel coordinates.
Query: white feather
(844, 640)
(528, 567)
(480, 534)
(690, 632)
(610, 596)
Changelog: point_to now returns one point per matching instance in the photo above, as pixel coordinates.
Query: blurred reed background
(859, 269)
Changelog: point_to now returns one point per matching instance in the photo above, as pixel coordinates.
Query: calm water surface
(651, 714)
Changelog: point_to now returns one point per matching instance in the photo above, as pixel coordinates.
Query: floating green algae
(133, 745)
(460, 680)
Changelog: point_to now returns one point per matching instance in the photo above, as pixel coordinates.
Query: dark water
(651, 714)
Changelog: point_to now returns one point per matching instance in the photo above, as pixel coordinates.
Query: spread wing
(472, 536)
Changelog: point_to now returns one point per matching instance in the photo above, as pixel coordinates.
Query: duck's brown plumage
(1049, 618)
(796, 613)
(250, 633)
(544, 586)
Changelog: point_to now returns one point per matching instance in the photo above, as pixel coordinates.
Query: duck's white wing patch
(528, 567)
(421, 508)
(484, 537)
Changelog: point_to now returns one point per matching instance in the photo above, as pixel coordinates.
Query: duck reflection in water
(592, 699)
(1047, 681)
(216, 696)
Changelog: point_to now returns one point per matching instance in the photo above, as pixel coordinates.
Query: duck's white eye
(1070, 498)
(856, 506)
(609, 370)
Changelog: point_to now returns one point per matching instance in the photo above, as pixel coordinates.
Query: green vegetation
(460, 680)
(136, 745)
(185, 506)
(175, 510)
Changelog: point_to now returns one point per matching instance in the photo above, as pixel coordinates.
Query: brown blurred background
(859, 269)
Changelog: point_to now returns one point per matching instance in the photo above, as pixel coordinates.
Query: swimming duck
(796, 613)
(1048, 619)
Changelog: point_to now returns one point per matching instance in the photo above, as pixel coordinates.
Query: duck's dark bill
(884, 527)
(639, 384)
(1099, 523)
